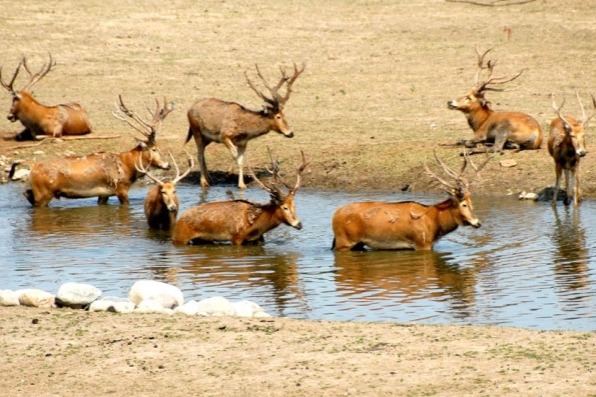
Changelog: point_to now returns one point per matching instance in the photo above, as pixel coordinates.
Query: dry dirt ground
(369, 108)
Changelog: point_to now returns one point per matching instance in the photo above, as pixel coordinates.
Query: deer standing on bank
(38, 119)
(162, 203)
(406, 225)
(502, 130)
(241, 221)
(567, 145)
(101, 174)
(214, 120)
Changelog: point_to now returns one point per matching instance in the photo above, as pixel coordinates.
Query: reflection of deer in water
(571, 256)
(415, 275)
(276, 273)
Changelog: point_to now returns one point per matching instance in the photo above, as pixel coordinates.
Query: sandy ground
(73, 353)
(369, 108)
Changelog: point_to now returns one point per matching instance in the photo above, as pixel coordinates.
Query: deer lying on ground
(406, 224)
(241, 221)
(214, 120)
(38, 119)
(567, 145)
(100, 174)
(500, 129)
(162, 203)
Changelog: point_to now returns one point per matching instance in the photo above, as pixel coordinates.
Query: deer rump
(94, 175)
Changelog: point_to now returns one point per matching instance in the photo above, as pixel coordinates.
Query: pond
(528, 266)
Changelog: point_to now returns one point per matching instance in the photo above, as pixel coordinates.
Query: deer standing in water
(241, 221)
(162, 203)
(407, 224)
(38, 119)
(100, 174)
(500, 129)
(567, 145)
(214, 120)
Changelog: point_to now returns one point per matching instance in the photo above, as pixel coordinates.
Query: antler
(35, 77)
(14, 76)
(143, 170)
(461, 185)
(148, 129)
(484, 85)
(276, 101)
(557, 110)
(299, 172)
(585, 119)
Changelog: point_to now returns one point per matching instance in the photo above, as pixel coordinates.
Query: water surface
(528, 266)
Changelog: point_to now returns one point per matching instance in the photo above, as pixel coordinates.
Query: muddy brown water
(528, 266)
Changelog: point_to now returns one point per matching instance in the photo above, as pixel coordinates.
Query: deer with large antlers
(214, 120)
(241, 221)
(162, 203)
(38, 119)
(502, 130)
(101, 174)
(406, 225)
(567, 145)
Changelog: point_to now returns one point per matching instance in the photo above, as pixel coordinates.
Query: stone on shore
(76, 295)
(167, 295)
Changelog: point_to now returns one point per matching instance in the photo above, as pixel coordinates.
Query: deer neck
(477, 117)
(256, 124)
(29, 110)
(447, 220)
(267, 219)
(126, 166)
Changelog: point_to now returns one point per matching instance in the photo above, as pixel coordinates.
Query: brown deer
(567, 145)
(214, 120)
(162, 203)
(406, 224)
(38, 119)
(241, 221)
(502, 130)
(100, 174)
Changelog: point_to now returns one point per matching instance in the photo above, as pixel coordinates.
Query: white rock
(9, 298)
(21, 174)
(152, 306)
(35, 298)
(112, 304)
(168, 295)
(216, 306)
(248, 309)
(191, 308)
(76, 295)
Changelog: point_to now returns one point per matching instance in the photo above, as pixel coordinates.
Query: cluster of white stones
(145, 296)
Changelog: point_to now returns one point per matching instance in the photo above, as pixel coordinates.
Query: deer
(406, 225)
(234, 125)
(54, 121)
(161, 203)
(100, 174)
(240, 221)
(502, 130)
(567, 145)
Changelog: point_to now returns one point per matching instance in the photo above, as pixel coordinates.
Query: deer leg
(558, 171)
(102, 200)
(568, 187)
(240, 161)
(201, 143)
(577, 193)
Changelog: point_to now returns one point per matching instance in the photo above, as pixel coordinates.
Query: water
(528, 266)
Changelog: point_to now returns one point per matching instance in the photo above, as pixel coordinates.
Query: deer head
(285, 202)
(475, 97)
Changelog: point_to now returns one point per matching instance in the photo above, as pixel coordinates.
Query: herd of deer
(376, 225)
